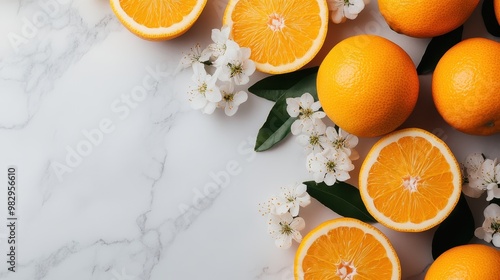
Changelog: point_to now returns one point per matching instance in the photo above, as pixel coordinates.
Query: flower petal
(319, 115)
(210, 108)
(294, 210)
(356, 7)
(240, 97)
(473, 161)
(306, 100)
(354, 155)
(296, 127)
(282, 209)
(330, 179)
(284, 242)
(241, 79)
(496, 239)
(481, 234)
(343, 176)
(337, 16)
(198, 102)
(303, 139)
(298, 223)
(292, 108)
(297, 236)
(492, 211)
(230, 109)
(315, 106)
(300, 189)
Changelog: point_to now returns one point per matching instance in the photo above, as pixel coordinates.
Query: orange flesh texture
(296, 25)
(157, 13)
(410, 157)
(347, 245)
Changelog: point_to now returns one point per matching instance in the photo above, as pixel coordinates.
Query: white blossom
(290, 199)
(329, 166)
(342, 141)
(195, 56)
(230, 99)
(306, 110)
(221, 43)
(284, 228)
(345, 9)
(489, 231)
(313, 137)
(236, 66)
(471, 166)
(483, 175)
(204, 93)
(216, 70)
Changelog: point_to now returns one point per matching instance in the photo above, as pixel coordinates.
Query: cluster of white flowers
(490, 230)
(229, 66)
(330, 151)
(282, 210)
(483, 175)
(340, 10)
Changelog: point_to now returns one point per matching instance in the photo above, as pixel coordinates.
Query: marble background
(113, 185)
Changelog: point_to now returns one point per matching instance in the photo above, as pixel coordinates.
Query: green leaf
(342, 198)
(272, 87)
(278, 123)
(457, 229)
(489, 18)
(436, 49)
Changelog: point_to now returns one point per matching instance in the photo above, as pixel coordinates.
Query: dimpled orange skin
(466, 86)
(424, 18)
(471, 262)
(367, 85)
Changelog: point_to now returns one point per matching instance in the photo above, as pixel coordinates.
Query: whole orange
(367, 85)
(466, 86)
(424, 18)
(471, 262)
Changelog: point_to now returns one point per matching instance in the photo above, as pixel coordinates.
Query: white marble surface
(137, 202)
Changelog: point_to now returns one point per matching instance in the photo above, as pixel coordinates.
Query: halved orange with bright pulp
(346, 248)
(410, 180)
(157, 19)
(283, 35)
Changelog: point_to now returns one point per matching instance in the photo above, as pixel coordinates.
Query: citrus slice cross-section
(410, 180)
(346, 248)
(283, 35)
(157, 19)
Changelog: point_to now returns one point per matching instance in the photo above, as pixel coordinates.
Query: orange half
(410, 180)
(157, 19)
(346, 248)
(283, 35)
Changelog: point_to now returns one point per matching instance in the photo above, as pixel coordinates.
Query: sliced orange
(346, 248)
(283, 35)
(410, 180)
(157, 19)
